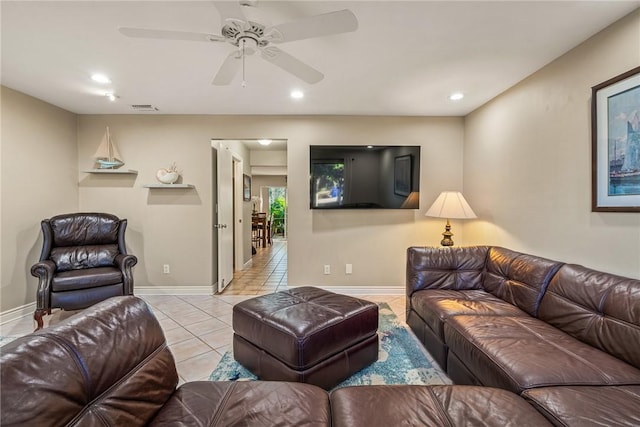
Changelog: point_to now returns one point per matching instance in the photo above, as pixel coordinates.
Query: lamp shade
(451, 204)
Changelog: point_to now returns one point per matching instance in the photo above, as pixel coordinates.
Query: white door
(225, 216)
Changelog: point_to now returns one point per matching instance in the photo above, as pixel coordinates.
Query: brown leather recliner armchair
(83, 261)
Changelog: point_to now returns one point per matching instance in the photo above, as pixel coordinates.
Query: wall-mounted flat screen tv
(364, 177)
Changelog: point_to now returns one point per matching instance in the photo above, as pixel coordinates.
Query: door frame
(238, 212)
(237, 169)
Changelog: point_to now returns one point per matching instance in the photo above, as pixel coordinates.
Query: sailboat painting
(107, 155)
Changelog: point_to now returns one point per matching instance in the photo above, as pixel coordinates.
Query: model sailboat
(107, 155)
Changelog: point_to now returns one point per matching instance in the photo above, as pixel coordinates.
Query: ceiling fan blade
(170, 35)
(341, 21)
(229, 10)
(291, 65)
(228, 69)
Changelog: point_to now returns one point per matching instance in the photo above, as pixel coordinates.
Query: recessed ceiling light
(456, 96)
(297, 94)
(112, 96)
(264, 141)
(100, 78)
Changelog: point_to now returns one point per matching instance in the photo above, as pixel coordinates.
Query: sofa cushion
(434, 406)
(600, 309)
(445, 268)
(78, 300)
(435, 306)
(588, 406)
(81, 257)
(517, 278)
(254, 403)
(84, 279)
(84, 229)
(109, 365)
(518, 353)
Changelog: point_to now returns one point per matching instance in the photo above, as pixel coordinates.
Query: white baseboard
(17, 313)
(365, 290)
(175, 290)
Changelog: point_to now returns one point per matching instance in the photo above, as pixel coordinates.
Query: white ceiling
(405, 58)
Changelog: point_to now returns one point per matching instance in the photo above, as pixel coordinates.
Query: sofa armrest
(107, 365)
(44, 271)
(125, 263)
(454, 268)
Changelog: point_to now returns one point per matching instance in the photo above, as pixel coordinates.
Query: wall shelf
(113, 171)
(169, 186)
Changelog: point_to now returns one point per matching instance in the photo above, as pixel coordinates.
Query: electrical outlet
(327, 269)
(348, 269)
(166, 269)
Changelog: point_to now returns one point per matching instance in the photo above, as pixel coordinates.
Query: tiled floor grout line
(198, 336)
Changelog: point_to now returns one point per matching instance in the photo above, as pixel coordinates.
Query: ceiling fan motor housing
(234, 32)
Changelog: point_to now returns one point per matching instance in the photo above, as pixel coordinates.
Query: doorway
(228, 232)
(236, 162)
(278, 207)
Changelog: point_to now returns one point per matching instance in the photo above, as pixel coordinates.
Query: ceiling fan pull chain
(244, 82)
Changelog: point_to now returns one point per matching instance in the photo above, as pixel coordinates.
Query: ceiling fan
(249, 37)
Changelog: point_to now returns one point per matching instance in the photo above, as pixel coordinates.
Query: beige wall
(39, 179)
(373, 241)
(527, 161)
(268, 158)
(166, 226)
(173, 226)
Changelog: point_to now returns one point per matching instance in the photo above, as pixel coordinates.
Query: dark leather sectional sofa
(564, 337)
(529, 342)
(110, 366)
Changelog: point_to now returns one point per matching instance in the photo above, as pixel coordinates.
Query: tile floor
(198, 327)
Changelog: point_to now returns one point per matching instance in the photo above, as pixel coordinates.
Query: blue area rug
(401, 360)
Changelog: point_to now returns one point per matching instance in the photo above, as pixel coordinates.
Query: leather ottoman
(306, 335)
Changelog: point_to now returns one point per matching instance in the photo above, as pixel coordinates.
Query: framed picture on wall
(246, 187)
(615, 140)
(402, 175)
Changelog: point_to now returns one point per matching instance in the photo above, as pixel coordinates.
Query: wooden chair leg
(38, 317)
(269, 233)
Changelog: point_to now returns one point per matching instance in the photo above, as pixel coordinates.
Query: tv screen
(364, 177)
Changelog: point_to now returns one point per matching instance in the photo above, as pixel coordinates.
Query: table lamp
(450, 204)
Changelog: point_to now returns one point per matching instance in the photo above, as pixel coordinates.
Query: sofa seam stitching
(122, 379)
(223, 404)
(441, 409)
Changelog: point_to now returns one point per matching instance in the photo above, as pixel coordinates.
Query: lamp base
(446, 241)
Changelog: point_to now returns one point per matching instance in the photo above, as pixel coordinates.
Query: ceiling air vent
(143, 107)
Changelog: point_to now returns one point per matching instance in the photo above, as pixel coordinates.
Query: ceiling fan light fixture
(264, 141)
(297, 94)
